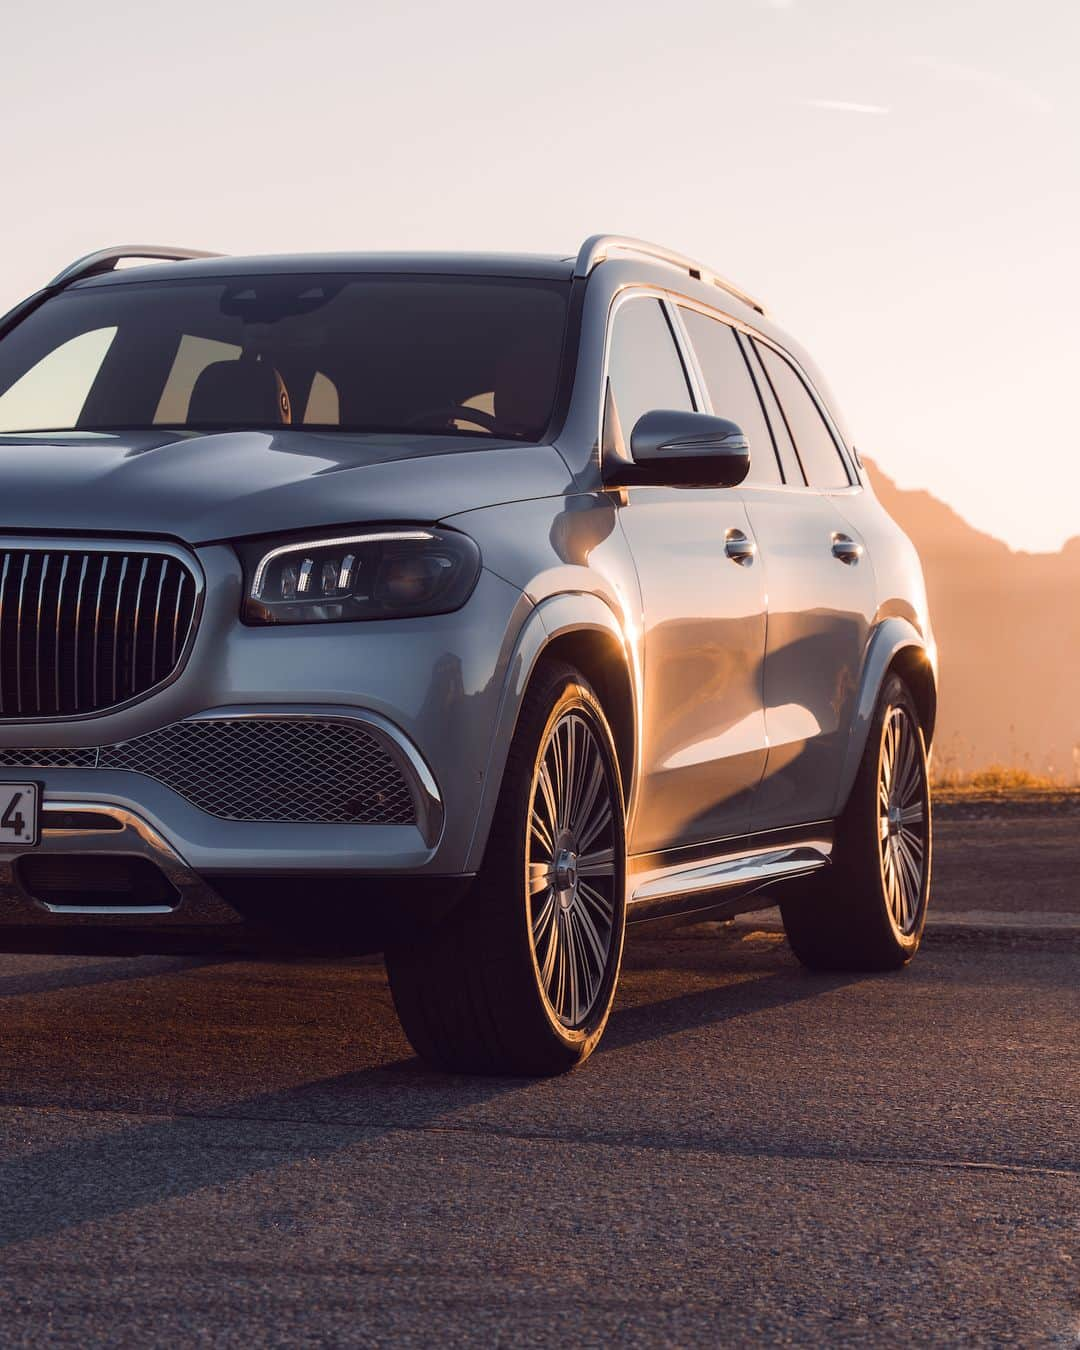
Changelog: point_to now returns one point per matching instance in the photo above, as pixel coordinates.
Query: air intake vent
(82, 630)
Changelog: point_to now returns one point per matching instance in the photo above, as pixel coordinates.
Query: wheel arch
(584, 632)
(895, 647)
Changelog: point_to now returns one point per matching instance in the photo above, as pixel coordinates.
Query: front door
(703, 615)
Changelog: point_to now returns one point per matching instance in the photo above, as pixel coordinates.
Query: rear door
(821, 603)
(703, 612)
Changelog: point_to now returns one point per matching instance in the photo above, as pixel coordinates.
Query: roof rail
(106, 259)
(599, 248)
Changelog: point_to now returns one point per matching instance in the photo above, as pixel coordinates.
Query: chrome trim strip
(753, 868)
(199, 903)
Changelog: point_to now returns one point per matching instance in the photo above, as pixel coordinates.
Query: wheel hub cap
(566, 873)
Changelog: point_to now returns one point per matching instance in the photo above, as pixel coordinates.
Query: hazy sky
(899, 181)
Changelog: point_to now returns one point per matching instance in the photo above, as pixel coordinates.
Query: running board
(704, 885)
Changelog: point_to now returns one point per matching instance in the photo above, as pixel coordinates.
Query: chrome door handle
(846, 549)
(739, 547)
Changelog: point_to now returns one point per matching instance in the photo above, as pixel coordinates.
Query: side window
(789, 461)
(732, 391)
(813, 440)
(644, 366)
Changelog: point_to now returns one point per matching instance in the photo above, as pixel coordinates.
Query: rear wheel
(521, 976)
(867, 911)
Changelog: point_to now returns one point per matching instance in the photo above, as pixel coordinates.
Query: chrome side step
(667, 890)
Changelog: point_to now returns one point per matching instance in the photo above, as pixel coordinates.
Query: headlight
(380, 574)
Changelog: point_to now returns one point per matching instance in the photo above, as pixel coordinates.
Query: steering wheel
(451, 411)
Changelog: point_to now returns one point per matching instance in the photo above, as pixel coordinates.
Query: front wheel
(867, 911)
(521, 976)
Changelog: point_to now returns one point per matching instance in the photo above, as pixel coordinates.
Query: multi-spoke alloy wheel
(571, 868)
(519, 977)
(902, 818)
(867, 910)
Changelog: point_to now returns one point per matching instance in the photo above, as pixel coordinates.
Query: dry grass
(998, 778)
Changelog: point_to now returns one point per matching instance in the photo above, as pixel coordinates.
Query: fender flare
(567, 612)
(890, 638)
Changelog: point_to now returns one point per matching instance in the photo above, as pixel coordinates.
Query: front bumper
(429, 690)
(181, 910)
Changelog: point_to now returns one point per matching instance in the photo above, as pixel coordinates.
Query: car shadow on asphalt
(77, 976)
(101, 1175)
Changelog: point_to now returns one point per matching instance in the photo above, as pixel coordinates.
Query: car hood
(199, 487)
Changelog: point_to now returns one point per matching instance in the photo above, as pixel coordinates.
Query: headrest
(523, 392)
(237, 391)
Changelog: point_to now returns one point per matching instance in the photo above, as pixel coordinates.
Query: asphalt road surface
(227, 1153)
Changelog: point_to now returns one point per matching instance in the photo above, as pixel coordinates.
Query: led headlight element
(381, 574)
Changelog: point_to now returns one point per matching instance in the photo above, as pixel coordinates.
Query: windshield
(393, 353)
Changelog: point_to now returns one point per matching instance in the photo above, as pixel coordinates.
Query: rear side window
(644, 367)
(813, 440)
(732, 391)
(785, 450)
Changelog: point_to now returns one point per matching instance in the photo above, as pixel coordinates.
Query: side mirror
(683, 449)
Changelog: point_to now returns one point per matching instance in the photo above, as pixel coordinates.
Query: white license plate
(19, 804)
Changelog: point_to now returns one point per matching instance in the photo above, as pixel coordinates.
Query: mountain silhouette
(1008, 631)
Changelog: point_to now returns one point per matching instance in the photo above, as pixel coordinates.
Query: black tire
(480, 993)
(867, 910)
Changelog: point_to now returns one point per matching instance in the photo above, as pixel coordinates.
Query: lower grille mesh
(286, 769)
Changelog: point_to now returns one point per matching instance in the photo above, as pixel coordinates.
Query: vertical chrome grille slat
(39, 623)
(3, 626)
(97, 625)
(18, 637)
(176, 618)
(157, 619)
(76, 668)
(116, 630)
(135, 625)
(85, 629)
(58, 662)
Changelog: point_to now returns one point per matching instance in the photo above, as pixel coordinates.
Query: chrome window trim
(76, 544)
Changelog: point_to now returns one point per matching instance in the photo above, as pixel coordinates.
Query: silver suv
(467, 608)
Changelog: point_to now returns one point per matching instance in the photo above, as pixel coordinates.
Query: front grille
(275, 769)
(82, 630)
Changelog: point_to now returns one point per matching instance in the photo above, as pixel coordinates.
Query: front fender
(892, 638)
(550, 619)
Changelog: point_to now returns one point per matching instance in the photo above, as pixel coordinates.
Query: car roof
(543, 266)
